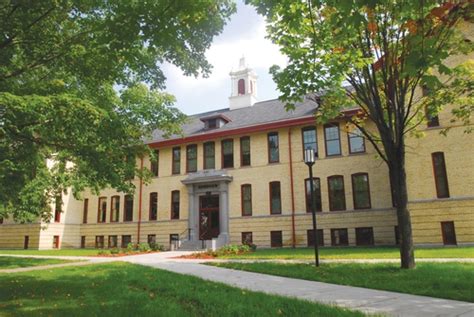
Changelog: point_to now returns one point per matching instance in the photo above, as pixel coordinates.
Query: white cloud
(224, 55)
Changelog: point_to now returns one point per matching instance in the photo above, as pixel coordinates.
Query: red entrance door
(208, 217)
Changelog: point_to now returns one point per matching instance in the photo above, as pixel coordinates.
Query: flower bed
(225, 250)
(131, 249)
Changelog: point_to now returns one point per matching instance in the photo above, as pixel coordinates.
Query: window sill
(357, 153)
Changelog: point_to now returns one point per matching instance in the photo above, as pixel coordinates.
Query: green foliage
(143, 247)
(157, 247)
(233, 249)
(114, 251)
(81, 84)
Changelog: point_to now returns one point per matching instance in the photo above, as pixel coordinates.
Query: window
(245, 151)
(209, 156)
(57, 208)
(227, 153)
(241, 87)
(275, 198)
(151, 239)
(273, 151)
(174, 237)
(102, 211)
(26, 242)
(174, 241)
(247, 238)
(155, 163)
(83, 242)
(113, 242)
(176, 168)
(397, 235)
(153, 213)
(320, 237)
(99, 242)
(432, 119)
(365, 236)
(332, 138)
(310, 140)
(126, 240)
(356, 141)
(191, 158)
(441, 178)
(114, 208)
(337, 196)
(246, 192)
(212, 123)
(339, 237)
(55, 242)
(361, 191)
(128, 209)
(175, 204)
(276, 239)
(448, 232)
(317, 194)
(85, 210)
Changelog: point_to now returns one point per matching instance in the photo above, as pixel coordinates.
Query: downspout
(293, 236)
(140, 193)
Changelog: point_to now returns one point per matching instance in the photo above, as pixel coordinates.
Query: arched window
(241, 87)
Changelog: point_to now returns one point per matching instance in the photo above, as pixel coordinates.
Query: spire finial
(242, 62)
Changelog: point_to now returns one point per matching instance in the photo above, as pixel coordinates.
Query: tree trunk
(399, 186)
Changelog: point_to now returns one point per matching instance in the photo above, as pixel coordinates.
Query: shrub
(131, 247)
(157, 247)
(103, 252)
(114, 251)
(233, 249)
(143, 247)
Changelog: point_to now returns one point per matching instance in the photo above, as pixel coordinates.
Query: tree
(375, 55)
(81, 88)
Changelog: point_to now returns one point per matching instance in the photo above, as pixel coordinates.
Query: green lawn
(62, 252)
(443, 280)
(121, 289)
(354, 253)
(14, 262)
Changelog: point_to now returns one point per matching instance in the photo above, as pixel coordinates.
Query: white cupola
(244, 87)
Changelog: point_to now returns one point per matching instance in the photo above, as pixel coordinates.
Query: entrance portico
(208, 199)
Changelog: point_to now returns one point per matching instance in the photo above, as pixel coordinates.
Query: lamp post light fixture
(309, 159)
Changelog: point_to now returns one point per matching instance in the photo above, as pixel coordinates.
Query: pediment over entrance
(207, 176)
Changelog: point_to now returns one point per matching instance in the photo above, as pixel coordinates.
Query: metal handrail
(188, 230)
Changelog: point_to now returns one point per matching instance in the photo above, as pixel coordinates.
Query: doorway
(208, 217)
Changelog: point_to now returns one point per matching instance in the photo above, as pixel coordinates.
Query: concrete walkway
(366, 300)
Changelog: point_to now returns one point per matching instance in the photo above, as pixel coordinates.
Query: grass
(121, 289)
(14, 262)
(61, 252)
(443, 280)
(354, 253)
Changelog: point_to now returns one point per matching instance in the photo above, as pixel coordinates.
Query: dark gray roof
(260, 113)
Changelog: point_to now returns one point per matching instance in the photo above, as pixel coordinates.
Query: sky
(244, 35)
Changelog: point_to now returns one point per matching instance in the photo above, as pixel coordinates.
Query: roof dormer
(214, 121)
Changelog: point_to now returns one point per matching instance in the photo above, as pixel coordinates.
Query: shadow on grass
(121, 289)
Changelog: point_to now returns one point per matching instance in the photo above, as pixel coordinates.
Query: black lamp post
(309, 160)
